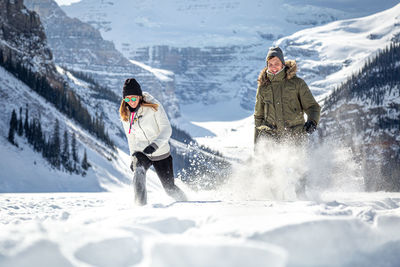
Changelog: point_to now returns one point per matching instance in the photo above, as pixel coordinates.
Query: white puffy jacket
(149, 127)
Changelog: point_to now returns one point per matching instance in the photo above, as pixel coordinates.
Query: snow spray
(276, 170)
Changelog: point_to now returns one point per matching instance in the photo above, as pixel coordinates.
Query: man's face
(274, 65)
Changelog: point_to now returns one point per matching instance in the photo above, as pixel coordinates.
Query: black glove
(310, 126)
(149, 149)
(132, 166)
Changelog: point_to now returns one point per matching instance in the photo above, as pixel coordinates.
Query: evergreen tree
(13, 127)
(38, 138)
(55, 158)
(34, 131)
(20, 130)
(85, 164)
(11, 133)
(74, 153)
(46, 149)
(26, 123)
(65, 155)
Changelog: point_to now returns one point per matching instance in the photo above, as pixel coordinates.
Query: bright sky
(66, 2)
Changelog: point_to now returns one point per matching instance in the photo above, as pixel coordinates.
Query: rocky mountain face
(78, 46)
(364, 114)
(22, 39)
(31, 82)
(24, 52)
(208, 74)
(215, 49)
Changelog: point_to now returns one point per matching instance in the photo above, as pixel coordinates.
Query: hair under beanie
(131, 87)
(275, 52)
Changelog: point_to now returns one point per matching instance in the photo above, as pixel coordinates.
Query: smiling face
(274, 65)
(132, 100)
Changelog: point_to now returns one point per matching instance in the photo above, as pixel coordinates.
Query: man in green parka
(281, 101)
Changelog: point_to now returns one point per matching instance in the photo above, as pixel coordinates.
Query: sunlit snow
(50, 218)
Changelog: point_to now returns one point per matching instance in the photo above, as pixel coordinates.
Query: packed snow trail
(106, 229)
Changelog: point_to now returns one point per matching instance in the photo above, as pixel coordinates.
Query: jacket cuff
(154, 145)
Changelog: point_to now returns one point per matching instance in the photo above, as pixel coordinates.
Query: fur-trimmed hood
(291, 69)
(149, 98)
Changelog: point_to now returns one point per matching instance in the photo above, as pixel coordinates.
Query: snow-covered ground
(255, 219)
(105, 229)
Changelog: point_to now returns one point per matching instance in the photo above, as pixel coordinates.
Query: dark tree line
(378, 78)
(61, 154)
(102, 92)
(379, 73)
(61, 97)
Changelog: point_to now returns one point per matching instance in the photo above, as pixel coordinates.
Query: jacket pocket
(295, 106)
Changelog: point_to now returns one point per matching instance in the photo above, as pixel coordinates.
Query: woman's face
(132, 100)
(274, 65)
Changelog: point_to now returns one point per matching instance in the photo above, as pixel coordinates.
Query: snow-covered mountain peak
(135, 24)
(216, 49)
(328, 54)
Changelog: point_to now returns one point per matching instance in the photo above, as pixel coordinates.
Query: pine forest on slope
(364, 113)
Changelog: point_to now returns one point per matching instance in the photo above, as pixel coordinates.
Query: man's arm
(307, 100)
(258, 113)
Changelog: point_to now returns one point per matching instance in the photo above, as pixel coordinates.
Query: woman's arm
(164, 126)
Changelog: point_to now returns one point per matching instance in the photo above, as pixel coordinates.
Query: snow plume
(276, 171)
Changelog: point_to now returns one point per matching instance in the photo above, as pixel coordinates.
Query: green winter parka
(281, 102)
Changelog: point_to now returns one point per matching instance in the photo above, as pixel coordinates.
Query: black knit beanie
(275, 52)
(131, 87)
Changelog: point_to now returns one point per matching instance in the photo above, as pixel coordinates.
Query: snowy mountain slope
(78, 46)
(179, 23)
(364, 114)
(55, 93)
(327, 55)
(23, 45)
(104, 229)
(110, 169)
(215, 50)
(37, 175)
(97, 107)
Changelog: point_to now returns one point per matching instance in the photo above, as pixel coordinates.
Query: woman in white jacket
(148, 132)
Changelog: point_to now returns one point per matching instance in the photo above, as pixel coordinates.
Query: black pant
(165, 172)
